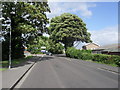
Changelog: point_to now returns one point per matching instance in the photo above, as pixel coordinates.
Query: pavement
(11, 76)
(60, 72)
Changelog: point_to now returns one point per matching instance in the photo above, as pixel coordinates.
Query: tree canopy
(28, 19)
(68, 28)
(51, 46)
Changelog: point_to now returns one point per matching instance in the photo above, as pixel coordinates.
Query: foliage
(26, 20)
(79, 54)
(51, 46)
(72, 52)
(35, 46)
(87, 55)
(107, 59)
(55, 48)
(68, 28)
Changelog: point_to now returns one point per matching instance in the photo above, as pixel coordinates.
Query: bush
(79, 54)
(116, 59)
(100, 57)
(71, 52)
(87, 55)
(107, 59)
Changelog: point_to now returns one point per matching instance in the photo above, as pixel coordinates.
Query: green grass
(114, 65)
(2, 69)
(4, 64)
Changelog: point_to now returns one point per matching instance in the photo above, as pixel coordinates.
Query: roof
(91, 43)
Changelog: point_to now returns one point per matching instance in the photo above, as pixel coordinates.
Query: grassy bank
(4, 64)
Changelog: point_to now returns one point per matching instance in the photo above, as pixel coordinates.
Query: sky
(101, 18)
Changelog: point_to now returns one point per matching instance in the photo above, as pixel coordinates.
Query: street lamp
(9, 21)
(1, 36)
(10, 47)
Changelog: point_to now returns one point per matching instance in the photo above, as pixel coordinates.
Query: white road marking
(97, 68)
(108, 71)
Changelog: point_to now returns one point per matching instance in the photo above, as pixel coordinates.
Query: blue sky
(101, 18)
(105, 14)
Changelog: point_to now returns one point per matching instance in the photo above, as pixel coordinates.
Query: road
(62, 72)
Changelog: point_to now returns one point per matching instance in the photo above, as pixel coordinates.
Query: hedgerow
(87, 55)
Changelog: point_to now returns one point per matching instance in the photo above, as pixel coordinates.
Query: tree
(51, 46)
(35, 46)
(55, 48)
(67, 29)
(26, 20)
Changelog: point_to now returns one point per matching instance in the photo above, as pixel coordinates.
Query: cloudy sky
(101, 18)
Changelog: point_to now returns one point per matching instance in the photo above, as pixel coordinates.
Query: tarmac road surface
(62, 72)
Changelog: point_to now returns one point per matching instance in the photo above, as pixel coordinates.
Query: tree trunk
(68, 45)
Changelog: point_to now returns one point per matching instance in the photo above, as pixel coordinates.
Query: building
(90, 46)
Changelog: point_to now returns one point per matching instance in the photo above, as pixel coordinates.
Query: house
(90, 46)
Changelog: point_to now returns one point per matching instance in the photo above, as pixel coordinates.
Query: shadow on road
(59, 55)
(47, 58)
(30, 60)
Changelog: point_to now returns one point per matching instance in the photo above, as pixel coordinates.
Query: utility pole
(10, 48)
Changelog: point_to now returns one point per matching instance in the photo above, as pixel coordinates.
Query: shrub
(99, 57)
(116, 59)
(107, 59)
(87, 55)
(79, 54)
(86, 51)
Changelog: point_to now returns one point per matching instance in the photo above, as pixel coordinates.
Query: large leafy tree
(27, 19)
(67, 29)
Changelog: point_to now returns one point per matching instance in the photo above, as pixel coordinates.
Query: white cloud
(105, 36)
(81, 8)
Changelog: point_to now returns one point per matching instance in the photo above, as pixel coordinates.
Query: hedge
(87, 55)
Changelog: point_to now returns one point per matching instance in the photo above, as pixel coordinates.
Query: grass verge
(4, 64)
(114, 65)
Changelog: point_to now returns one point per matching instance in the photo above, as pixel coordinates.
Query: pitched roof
(91, 43)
